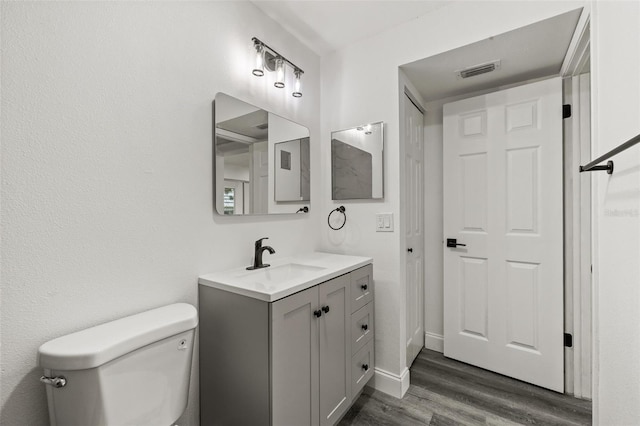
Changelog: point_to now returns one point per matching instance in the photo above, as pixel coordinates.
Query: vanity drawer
(361, 327)
(361, 287)
(361, 368)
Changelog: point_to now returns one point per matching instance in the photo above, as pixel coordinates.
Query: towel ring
(340, 209)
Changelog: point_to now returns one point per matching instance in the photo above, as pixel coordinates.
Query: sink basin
(280, 273)
(285, 276)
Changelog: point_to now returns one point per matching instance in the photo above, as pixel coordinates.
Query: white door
(259, 178)
(414, 229)
(503, 290)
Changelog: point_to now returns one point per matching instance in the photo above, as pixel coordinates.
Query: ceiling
(326, 26)
(526, 53)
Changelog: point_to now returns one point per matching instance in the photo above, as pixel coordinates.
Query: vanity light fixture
(279, 73)
(258, 71)
(296, 84)
(269, 59)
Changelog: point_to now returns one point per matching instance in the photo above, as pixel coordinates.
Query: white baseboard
(433, 341)
(390, 383)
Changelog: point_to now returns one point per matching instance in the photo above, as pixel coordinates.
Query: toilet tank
(132, 371)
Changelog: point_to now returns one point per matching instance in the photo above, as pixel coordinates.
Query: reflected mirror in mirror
(356, 162)
(262, 161)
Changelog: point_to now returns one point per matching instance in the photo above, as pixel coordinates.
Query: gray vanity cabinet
(287, 362)
(311, 375)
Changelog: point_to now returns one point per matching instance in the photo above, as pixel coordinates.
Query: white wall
(615, 64)
(360, 85)
(106, 167)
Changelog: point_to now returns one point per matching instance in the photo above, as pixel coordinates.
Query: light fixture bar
(256, 40)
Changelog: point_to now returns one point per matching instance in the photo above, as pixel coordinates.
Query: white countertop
(285, 276)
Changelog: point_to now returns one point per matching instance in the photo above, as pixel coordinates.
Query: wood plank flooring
(448, 392)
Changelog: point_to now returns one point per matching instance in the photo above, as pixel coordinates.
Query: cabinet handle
(325, 309)
(317, 313)
(365, 327)
(364, 286)
(365, 367)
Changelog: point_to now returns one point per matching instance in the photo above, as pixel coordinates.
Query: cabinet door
(294, 359)
(335, 339)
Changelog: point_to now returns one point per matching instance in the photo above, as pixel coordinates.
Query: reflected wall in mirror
(250, 145)
(356, 162)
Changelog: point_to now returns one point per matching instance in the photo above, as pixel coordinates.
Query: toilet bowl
(132, 371)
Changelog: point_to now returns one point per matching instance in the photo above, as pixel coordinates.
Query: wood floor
(448, 392)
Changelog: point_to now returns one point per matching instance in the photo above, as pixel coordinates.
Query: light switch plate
(384, 222)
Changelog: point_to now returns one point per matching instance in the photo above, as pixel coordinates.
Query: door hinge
(566, 111)
(568, 340)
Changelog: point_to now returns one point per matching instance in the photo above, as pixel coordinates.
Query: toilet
(132, 371)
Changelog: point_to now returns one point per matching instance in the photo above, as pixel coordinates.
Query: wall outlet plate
(384, 222)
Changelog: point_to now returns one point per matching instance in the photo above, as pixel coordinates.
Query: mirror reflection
(262, 161)
(356, 162)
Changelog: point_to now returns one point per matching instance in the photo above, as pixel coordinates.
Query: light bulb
(296, 85)
(279, 73)
(258, 71)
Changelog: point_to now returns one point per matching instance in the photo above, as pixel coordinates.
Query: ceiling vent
(478, 69)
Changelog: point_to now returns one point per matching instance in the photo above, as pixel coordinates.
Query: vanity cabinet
(294, 361)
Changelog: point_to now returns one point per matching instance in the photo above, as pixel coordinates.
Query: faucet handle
(259, 241)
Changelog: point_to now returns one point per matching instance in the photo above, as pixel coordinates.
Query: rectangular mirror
(262, 161)
(356, 163)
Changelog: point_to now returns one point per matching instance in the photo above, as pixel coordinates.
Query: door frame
(582, 354)
(579, 293)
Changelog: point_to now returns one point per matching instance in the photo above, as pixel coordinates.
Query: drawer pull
(364, 286)
(317, 313)
(365, 367)
(325, 309)
(365, 327)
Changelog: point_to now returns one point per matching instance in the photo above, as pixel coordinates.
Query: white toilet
(132, 371)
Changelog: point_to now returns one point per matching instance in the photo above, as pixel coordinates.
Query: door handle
(453, 243)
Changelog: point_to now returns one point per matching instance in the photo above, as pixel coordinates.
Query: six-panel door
(503, 288)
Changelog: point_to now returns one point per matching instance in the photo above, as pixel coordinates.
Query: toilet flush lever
(56, 382)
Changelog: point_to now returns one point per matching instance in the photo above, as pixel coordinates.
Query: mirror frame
(294, 206)
(381, 164)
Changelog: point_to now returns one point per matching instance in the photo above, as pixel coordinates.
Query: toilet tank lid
(100, 344)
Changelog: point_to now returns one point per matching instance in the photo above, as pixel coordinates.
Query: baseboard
(433, 341)
(390, 383)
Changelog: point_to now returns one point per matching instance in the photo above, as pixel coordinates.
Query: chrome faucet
(257, 256)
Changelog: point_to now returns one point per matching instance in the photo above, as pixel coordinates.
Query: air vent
(478, 69)
(263, 126)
